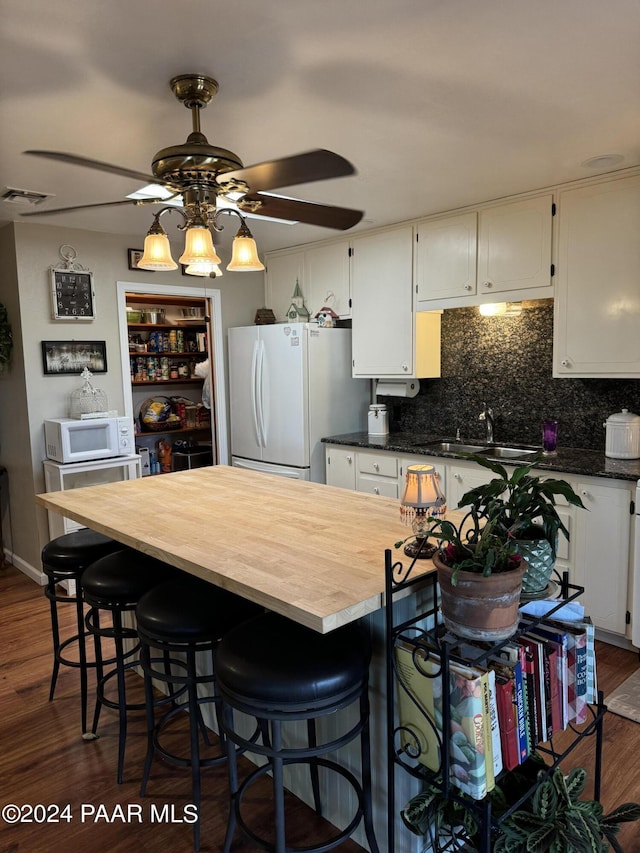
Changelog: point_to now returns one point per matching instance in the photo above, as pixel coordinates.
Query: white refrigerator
(290, 385)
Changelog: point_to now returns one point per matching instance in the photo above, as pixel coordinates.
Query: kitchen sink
(509, 452)
(455, 447)
(495, 451)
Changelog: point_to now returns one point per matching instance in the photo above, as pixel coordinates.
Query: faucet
(486, 415)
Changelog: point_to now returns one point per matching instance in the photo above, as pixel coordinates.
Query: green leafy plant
(522, 504)
(438, 818)
(553, 820)
(556, 820)
(483, 548)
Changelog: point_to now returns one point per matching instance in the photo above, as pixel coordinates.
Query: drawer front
(377, 486)
(384, 464)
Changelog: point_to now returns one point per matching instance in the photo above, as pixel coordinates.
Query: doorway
(173, 295)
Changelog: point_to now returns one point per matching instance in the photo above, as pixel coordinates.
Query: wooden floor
(43, 759)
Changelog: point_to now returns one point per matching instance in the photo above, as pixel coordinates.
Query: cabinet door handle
(376, 466)
(376, 490)
(349, 460)
(405, 367)
(565, 362)
(457, 476)
(467, 287)
(585, 494)
(487, 284)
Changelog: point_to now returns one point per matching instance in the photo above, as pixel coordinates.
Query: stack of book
(524, 692)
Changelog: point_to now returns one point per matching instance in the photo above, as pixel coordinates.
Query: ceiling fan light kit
(201, 174)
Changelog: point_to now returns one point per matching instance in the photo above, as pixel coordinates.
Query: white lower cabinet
(341, 467)
(461, 477)
(377, 473)
(601, 548)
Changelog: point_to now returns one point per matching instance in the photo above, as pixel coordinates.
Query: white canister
(378, 420)
(623, 435)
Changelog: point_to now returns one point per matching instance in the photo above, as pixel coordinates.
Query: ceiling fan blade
(303, 211)
(75, 160)
(316, 165)
(86, 206)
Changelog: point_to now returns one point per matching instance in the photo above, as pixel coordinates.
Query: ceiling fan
(200, 173)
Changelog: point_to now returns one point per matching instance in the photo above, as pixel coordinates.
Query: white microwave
(72, 440)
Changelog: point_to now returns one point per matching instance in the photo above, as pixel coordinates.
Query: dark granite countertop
(572, 460)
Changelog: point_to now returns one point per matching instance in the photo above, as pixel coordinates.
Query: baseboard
(26, 568)
(615, 640)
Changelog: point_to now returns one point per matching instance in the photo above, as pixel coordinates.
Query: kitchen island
(310, 552)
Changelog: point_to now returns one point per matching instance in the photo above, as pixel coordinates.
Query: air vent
(24, 197)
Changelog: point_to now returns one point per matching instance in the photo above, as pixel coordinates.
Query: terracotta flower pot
(480, 608)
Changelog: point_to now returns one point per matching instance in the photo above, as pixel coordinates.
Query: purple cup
(549, 436)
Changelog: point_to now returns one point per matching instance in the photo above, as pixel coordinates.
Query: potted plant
(556, 819)
(482, 562)
(523, 506)
(480, 577)
(552, 819)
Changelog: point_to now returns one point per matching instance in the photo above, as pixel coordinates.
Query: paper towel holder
(397, 388)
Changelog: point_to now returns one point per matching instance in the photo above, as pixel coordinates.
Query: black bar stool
(65, 559)
(278, 671)
(183, 620)
(115, 584)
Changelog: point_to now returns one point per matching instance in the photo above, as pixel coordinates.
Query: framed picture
(72, 295)
(66, 358)
(133, 256)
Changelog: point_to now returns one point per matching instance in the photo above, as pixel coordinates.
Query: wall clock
(72, 293)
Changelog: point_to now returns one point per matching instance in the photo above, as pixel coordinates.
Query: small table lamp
(422, 500)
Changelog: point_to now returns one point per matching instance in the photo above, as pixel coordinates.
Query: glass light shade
(204, 269)
(244, 257)
(157, 254)
(198, 247)
(421, 501)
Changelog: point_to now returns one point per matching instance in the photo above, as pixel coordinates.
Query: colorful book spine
(529, 680)
(535, 647)
(506, 704)
(486, 732)
(557, 639)
(577, 669)
(515, 654)
(496, 744)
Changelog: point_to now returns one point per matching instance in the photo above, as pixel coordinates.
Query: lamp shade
(204, 269)
(421, 487)
(198, 247)
(157, 253)
(244, 256)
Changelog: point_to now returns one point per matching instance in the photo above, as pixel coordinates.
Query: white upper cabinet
(514, 246)
(327, 269)
(284, 269)
(597, 306)
(322, 272)
(446, 257)
(497, 253)
(383, 341)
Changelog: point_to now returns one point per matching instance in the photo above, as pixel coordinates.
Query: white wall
(27, 251)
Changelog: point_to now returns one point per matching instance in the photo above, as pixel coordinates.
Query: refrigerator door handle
(259, 383)
(254, 392)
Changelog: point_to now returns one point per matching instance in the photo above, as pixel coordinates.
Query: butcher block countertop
(311, 552)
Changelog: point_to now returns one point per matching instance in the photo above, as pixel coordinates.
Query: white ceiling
(437, 103)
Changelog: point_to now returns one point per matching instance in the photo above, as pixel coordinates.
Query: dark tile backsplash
(507, 362)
